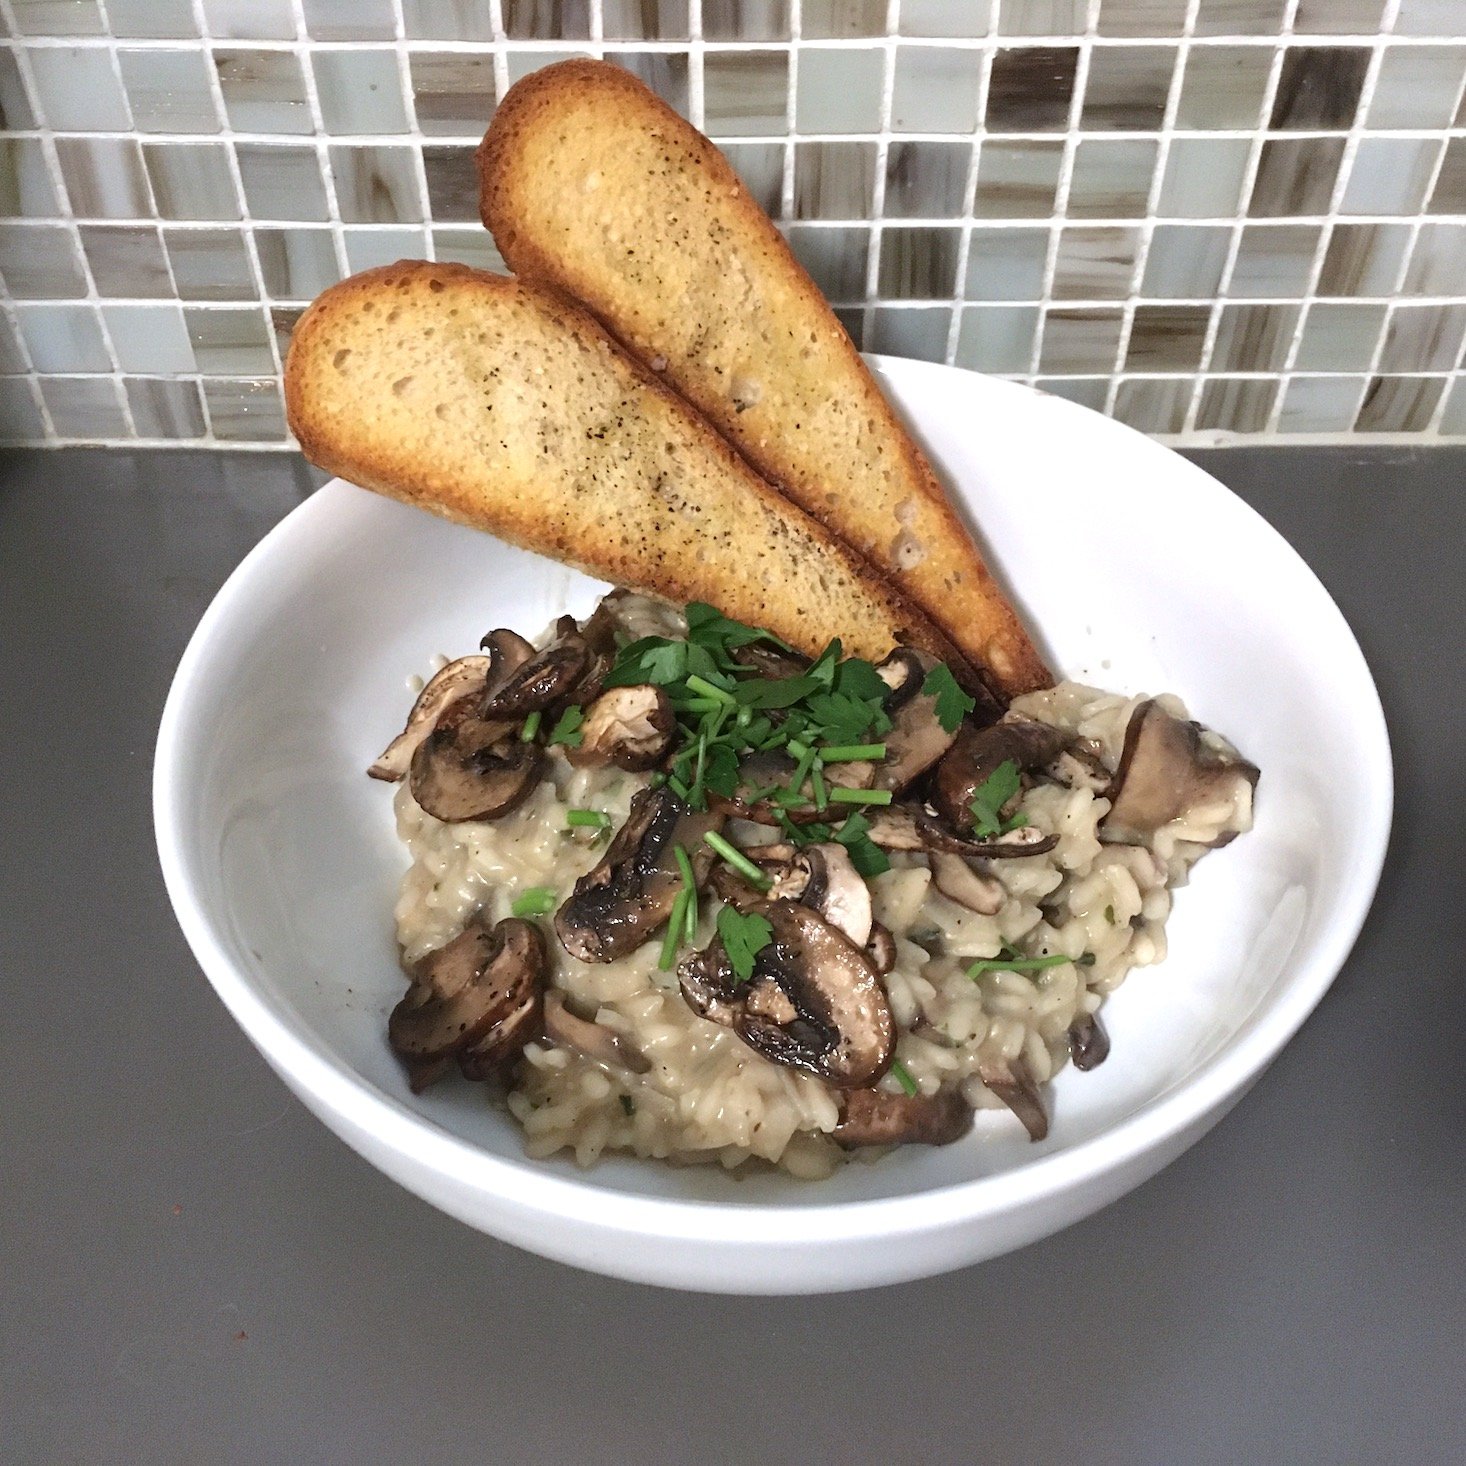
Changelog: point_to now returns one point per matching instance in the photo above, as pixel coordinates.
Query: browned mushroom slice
(1011, 1081)
(617, 906)
(594, 1040)
(873, 1117)
(544, 679)
(814, 1002)
(880, 950)
(824, 878)
(476, 999)
(460, 679)
(903, 672)
(628, 727)
(769, 660)
(508, 652)
(469, 768)
(979, 753)
(1165, 770)
(908, 827)
(958, 882)
(916, 739)
(1089, 1044)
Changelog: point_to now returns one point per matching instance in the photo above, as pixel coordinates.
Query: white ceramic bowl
(1142, 572)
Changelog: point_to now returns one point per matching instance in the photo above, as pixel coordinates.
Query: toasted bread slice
(501, 405)
(593, 184)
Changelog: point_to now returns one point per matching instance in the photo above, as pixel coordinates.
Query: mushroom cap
(824, 878)
(1012, 1082)
(542, 680)
(469, 768)
(978, 753)
(958, 882)
(463, 678)
(873, 1117)
(594, 1040)
(628, 727)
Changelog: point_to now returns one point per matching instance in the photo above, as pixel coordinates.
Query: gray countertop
(196, 1271)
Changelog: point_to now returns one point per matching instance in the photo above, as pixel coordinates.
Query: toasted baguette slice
(590, 182)
(503, 406)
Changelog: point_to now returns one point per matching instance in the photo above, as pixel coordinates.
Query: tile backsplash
(1216, 220)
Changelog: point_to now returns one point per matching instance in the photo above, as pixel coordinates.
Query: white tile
(149, 339)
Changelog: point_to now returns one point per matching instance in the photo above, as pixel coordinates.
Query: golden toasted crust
(590, 182)
(501, 405)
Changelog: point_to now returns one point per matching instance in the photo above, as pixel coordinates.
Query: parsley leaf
(567, 727)
(708, 627)
(744, 937)
(992, 794)
(865, 855)
(855, 677)
(952, 703)
(840, 717)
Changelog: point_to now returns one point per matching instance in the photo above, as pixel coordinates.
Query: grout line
(791, 96)
(419, 162)
(696, 76)
(878, 187)
(1438, 416)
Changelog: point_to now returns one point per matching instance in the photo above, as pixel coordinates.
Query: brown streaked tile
(1438, 261)
(834, 180)
(211, 264)
(368, 248)
(20, 418)
(127, 260)
(1363, 259)
(1340, 336)
(264, 91)
(40, 262)
(169, 91)
(1204, 177)
(192, 180)
(1155, 406)
(1338, 17)
(1167, 338)
(282, 181)
(26, 190)
(153, 19)
(12, 356)
(250, 20)
(1224, 87)
(376, 183)
(472, 247)
(745, 20)
(1079, 339)
(245, 411)
(1423, 338)
(447, 20)
(1041, 17)
(841, 20)
(1274, 260)
(664, 72)
(1453, 418)
(1240, 17)
(1127, 88)
(1110, 178)
(166, 407)
(360, 91)
(105, 178)
(1095, 263)
(926, 180)
(835, 258)
(997, 338)
(1236, 404)
(1006, 264)
(1253, 338)
(547, 20)
(1319, 88)
(1399, 404)
(1142, 18)
(229, 342)
(1295, 176)
(296, 263)
(1390, 175)
(89, 408)
(350, 20)
(63, 337)
(452, 183)
(1449, 196)
(761, 167)
(918, 332)
(283, 321)
(852, 319)
(1185, 261)
(15, 107)
(652, 20)
(1017, 180)
(1320, 404)
(918, 264)
(453, 91)
(1031, 88)
(745, 93)
(1417, 86)
(58, 18)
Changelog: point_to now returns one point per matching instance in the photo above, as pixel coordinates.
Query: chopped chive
(802, 768)
(860, 796)
(707, 689)
(678, 787)
(738, 860)
(697, 705)
(536, 901)
(754, 796)
(684, 867)
(1027, 964)
(902, 1075)
(817, 782)
(531, 726)
(745, 717)
(848, 752)
(587, 819)
(675, 927)
(800, 750)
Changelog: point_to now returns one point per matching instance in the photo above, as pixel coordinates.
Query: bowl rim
(534, 1187)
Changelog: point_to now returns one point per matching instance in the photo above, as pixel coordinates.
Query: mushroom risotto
(680, 891)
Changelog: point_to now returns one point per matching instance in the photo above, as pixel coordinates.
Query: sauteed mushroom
(916, 739)
(979, 753)
(1011, 1081)
(594, 1040)
(957, 881)
(1089, 1044)
(545, 678)
(446, 686)
(630, 727)
(873, 1117)
(823, 878)
(469, 768)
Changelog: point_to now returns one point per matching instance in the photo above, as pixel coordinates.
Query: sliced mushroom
(468, 768)
(1011, 1081)
(476, 999)
(628, 727)
(630, 893)
(508, 652)
(463, 678)
(979, 753)
(542, 680)
(903, 672)
(771, 661)
(880, 950)
(823, 878)
(1080, 766)
(910, 828)
(814, 1002)
(1089, 1044)
(1165, 770)
(958, 882)
(873, 1117)
(916, 741)
(594, 1040)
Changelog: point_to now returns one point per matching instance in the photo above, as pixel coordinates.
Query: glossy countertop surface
(195, 1270)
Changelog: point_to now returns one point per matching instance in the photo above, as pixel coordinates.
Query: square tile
(836, 259)
(1154, 407)
(164, 408)
(918, 332)
(834, 180)
(58, 18)
(104, 177)
(1127, 87)
(745, 93)
(15, 104)
(1438, 261)
(350, 20)
(250, 20)
(1253, 338)
(1041, 17)
(229, 342)
(245, 411)
(1295, 176)
(761, 167)
(1167, 338)
(546, 20)
(152, 19)
(453, 92)
(520, 64)
(282, 181)
(474, 247)
(296, 263)
(20, 418)
(935, 90)
(1340, 17)
(40, 262)
(1095, 263)
(264, 91)
(1453, 419)
(1236, 404)
(452, 183)
(745, 20)
(127, 260)
(1017, 180)
(1449, 196)
(150, 339)
(997, 338)
(843, 20)
(665, 72)
(1390, 175)
(1110, 178)
(26, 190)
(649, 20)
(838, 91)
(926, 180)
(1006, 264)
(1240, 17)
(1320, 405)
(368, 248)
(78, 90)
(447, 20)
(1079, 340)
(1423, 338)
(87, 409)
(1224, 87)
(360, 92)
(210, 264)
(918, 264)
(1319, 88)
(63, 338)
(1428, 18)
(1339, 336)
(1031, 88)
(1082, 391)
(12, 354)
(1363, 259)
(1399, 404)
(1142, 17)
(1417, 86)
(1204, 178)
(939, 18)
(169, 91)
(1274, 261)
(191, 180)
(1185, 261)
(376, 184)
(283, 321)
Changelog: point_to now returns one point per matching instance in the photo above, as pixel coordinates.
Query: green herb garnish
(952, 703)
(992, 794)
(676, 928)
(587, 819)
(567, 728)
(1010, 960)
(738, 860)
(860, 796)
(902, 1075)
(744, 937)
(536, 901)
(531, 726)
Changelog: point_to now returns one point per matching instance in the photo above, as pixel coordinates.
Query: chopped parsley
(567, 728)
(992, 794)
(744, 937)
(535, 901)
(952, 703)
